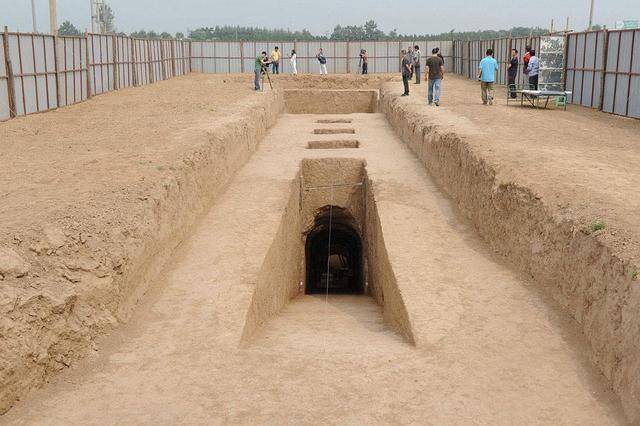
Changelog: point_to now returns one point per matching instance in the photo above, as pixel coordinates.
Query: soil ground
(93, 163)
(583, 163)
(494, 349)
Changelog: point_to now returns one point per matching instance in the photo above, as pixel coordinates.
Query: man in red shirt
(525, 59)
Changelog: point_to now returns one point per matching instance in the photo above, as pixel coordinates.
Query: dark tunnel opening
(335, 268)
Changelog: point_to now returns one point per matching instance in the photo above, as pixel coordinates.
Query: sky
(320, 16)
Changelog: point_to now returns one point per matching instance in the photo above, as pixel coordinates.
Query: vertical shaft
(591, 15)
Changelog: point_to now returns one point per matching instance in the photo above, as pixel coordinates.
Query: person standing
(365, 61)
(294, 62)
(411, 56)
(417, 59)
(322, 60)
(261, 61)
(513, 73)
(534, 70)
(406, 70)
(434, 74)
(525, 60)
(488, 68)
(275, 61)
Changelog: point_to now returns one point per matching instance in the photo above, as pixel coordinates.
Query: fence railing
(41, 72)
(342, 56)
(602, 68)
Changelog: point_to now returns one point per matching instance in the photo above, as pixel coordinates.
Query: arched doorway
(342, 273)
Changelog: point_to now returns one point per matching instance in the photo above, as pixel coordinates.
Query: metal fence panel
(72, 70)
(33, 63)
(101, 63)
(124, 62)
(141, 62)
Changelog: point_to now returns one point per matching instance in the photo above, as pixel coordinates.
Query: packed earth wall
(586, 276)
(41, 333)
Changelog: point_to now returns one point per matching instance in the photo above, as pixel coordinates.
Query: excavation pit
(333, 144)
(334, 131)
(338, 248)
(316, 101)
(334, 121)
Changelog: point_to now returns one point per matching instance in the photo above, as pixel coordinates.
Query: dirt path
(490, 347)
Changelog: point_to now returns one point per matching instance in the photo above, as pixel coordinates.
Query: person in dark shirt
(513, 73)
(407, 63)
(434, 73)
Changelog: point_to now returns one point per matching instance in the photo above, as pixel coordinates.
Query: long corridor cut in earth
(260, 317)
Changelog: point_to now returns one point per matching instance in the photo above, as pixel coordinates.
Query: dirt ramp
(596, 287)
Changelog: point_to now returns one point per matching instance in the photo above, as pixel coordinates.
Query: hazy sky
(320, 16)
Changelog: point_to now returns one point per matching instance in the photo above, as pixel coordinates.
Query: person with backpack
(322, 60)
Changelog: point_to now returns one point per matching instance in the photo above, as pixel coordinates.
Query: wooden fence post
(57, 70)
(173, 57)
(134, 67)
(116, 70)
(150, 62)
(162, 59)
(10, 84)
(348, 56)
(242, 56)
(88, 64)
(605, 57)
(565, 65)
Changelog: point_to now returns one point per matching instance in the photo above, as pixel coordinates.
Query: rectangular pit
(334, 131)
(328, 193)
(316, 101)
(334, 120)
(335, 144)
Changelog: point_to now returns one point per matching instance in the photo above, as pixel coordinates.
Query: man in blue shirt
(534, 70)
(488, 68)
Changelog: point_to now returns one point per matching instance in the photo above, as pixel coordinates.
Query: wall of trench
(586, 278)
(41, 335)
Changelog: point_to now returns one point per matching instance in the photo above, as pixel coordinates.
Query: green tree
(68, 29)
(165, 34)
(107, 17)
(179, 35)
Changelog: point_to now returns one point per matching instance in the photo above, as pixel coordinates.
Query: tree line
(368, 31)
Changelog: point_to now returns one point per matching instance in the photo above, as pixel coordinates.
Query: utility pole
(33, 16)
(591, 15)
(53, 17)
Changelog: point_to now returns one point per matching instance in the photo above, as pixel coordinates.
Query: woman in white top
(294, 64)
